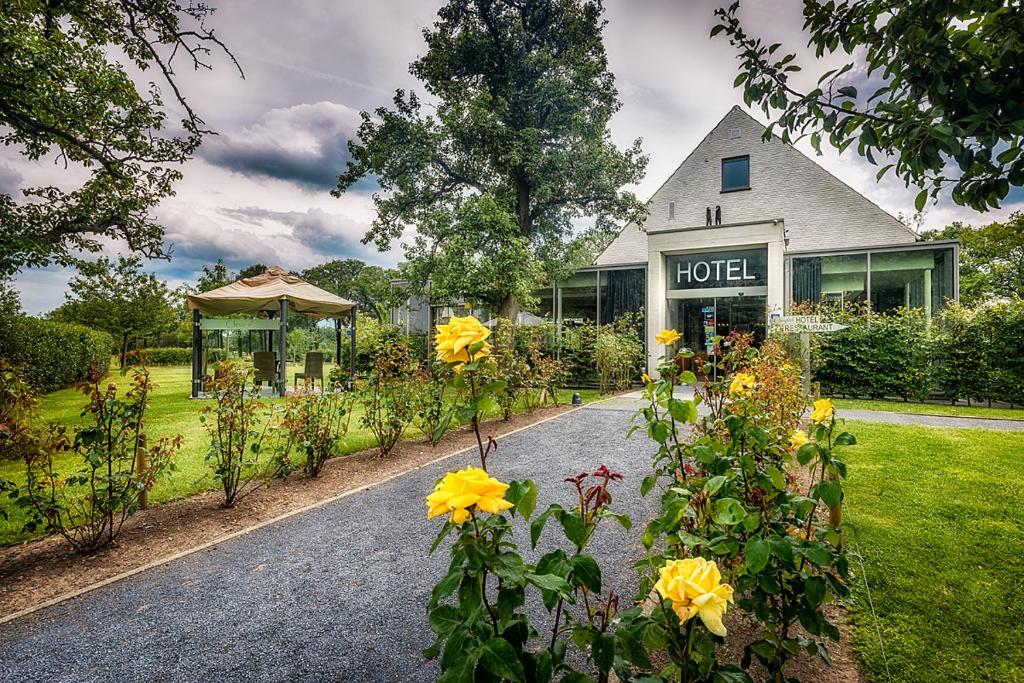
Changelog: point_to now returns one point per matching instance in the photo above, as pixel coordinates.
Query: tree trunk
(124, 348)
(509, 308)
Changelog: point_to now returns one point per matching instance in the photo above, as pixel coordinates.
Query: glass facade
(836, 279)
(711, 270)
(621, 291)
(577, 298)
(912, 278)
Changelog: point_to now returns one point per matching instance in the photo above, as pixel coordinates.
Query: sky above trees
(259, 191)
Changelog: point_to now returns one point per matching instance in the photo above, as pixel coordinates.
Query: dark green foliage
(878, 355)
(54, 355)
(170, 355)
(964, 354)
(610, 356)
(68, 90)
(369, 287)
(991, 258)
(942, 87)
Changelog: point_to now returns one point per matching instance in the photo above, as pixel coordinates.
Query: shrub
(618, 353)
(315, 423)
(54, 355)
(167, 355)
(238, 424)
(429, 400)
(510, 367)
(89, 506)
(729, 495)
(387, 396)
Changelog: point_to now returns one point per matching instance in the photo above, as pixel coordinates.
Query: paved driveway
(336, 593)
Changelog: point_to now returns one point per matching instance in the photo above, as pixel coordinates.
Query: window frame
(738, 188)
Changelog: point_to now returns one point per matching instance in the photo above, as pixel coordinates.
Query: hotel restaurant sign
(801, 324)
(709, 270)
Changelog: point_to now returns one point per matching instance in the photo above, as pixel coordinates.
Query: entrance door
(700, 320)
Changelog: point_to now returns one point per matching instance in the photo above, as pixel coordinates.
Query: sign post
(804, 325)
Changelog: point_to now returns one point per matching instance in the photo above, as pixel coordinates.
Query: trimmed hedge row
(963, 354)
(166, 355)
(55, 355)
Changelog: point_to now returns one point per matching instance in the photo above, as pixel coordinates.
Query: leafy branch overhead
(520, 100)
(62, 93)
(938, 102)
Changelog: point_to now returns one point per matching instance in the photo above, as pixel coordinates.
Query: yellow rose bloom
(459, 491)
(646, 378)
(667, 337)
(695, 588)
(797, 439)
(823, 411)
(742, 385)
(453, 340)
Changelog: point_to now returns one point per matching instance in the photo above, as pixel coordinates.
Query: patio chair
(313, 369)
(265, 365)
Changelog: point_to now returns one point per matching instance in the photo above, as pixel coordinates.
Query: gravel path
(336, 593)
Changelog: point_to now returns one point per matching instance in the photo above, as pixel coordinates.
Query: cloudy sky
(259, 191)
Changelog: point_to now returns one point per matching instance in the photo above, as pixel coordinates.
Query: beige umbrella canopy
(264, 293)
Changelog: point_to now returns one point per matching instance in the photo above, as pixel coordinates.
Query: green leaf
(603, 651)
(648, 484)
(551, 582)
(537, 526)
(807, 453)
(444, 619)
(587, 572)
(920, 200)
(814, 590)
(831, 492)
(732, 674)
(756, 553)
(846, 439)
(522, 494)
(728, 511)
(499, 657)
(712, 485)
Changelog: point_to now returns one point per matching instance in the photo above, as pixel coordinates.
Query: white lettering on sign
(736, 269)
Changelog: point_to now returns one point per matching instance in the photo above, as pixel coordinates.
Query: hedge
(55, 355)
(961, 354)
(165, 355)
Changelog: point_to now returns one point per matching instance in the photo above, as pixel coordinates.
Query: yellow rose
(459, 491)
(742, 385)
(798, 439)
(453, 340)
(667, 337)
(823, 411)
(646, 378)
(694, 586)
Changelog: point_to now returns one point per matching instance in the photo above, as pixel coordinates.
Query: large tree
(66, 91)
(522, 98)
(991, 258)
(931, 89)
(369, 287)
(119, 298)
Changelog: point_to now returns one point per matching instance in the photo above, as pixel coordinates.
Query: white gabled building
(740, 230)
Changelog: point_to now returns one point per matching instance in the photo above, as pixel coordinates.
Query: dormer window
(736, 173)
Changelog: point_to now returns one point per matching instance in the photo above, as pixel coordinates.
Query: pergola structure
(274, 292)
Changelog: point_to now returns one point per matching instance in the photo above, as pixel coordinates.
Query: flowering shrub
(477, 609)
(732, 506)
(388, 395)
(238, 430)
(89, 506)
(315, 423)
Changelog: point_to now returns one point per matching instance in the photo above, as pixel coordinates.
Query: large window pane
(577, 298)
(736, 174)
(920, 278)
(622, 291)
(836, 279)
(546, 302)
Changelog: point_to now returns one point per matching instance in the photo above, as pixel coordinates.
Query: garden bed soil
(39, 571)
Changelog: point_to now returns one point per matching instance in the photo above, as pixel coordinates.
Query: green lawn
(172, 412)
(929, 408)
(939, 517)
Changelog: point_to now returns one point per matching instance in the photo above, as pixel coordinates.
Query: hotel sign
(707, 270)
